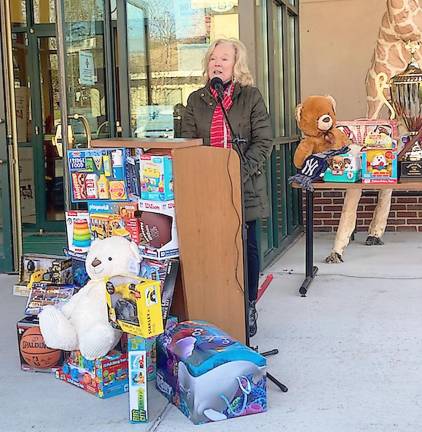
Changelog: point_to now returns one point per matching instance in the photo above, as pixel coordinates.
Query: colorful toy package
(109, 218)
(78, 233)
(134, 305)
(379, 166)
(344, 168)
(166, 273)
(97, 174)
(141, 359)
(104, 377)
(159, 230)
(209, 375)
(371, 133)
(33, 267)
(43, 294)
(133, 172)
(156, 175)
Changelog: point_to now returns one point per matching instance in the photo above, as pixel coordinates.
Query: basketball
(35, 352)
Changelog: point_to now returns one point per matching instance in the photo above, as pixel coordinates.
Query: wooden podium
(209, 226)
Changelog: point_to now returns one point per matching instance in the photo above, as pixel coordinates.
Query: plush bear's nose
(96, 262)
(326, 119)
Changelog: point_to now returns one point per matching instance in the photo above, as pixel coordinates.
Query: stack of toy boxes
(209, 375)
(378, 139)
(345, 168)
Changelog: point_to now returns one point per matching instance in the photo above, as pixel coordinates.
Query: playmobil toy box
(109, 218)
(34, 355)
(142, 368)
(344, 168)
(156, 172)
(209, 375)
(371, 133)
(159, 230)
(42, 268)
(104, 377)
(379, 166)
(134, 305)
(97, 174)
(78, 233)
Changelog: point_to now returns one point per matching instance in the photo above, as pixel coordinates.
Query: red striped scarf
(219, 130)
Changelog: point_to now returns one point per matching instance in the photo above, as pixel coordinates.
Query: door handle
(3, 161)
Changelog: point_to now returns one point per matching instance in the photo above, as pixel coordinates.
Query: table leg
(310, 269)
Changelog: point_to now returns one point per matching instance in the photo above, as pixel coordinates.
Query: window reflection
(166, 44)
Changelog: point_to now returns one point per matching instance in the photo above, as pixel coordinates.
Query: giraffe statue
(401, 24)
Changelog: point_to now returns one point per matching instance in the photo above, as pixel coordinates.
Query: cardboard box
(344, 168)
(379, 166)
(104, 377)
(156, 176)
(134, 305)
(208, 375)
(78, 232)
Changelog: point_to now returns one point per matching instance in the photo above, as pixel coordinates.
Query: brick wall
(405, 213)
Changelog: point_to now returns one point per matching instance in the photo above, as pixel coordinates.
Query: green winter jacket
(250, 120)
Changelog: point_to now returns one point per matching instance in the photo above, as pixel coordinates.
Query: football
(156, 228)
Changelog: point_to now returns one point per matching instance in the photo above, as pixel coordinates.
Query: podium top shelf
(158, 143)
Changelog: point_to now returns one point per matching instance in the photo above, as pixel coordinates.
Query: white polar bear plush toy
(82, 323)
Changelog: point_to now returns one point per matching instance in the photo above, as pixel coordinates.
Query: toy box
(379, 166)
(344, 168)
(104, 377)
(43, 294)
(142, 368)
(159, 230)
(166, 273)
(371, 133)
(156, 171)
(97, 174)
(34, 355)
(42, 268)
(208, 375)
(114, 219)
(134, 305)
(80, 276)
(78, 233)
(133, 157)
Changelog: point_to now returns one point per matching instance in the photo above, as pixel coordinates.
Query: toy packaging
(80, 276)
(114, 219)
(159, 230)
(134, 305)
(379, 166)
(133, 172)
(43, 294)
(104, 377)
(97, 174)
(34, 355)
(344, 168)
(156, 171)
(371, 133)
(209, 375)
(78, 233)
(166, 273)
(141, 359)
(42, 268)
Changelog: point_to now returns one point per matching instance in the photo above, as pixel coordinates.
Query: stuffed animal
(316, 117)
(82, 323)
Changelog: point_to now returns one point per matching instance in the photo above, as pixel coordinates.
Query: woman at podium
(228, 82)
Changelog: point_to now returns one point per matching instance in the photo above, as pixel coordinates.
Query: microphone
(217, 84)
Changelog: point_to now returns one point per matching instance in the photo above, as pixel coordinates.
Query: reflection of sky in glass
(135, 29)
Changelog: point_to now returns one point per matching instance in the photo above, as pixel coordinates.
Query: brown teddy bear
(316, 117)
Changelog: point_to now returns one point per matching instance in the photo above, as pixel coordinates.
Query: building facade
(109, 68)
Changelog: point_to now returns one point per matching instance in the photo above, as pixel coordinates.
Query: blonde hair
(241, 72)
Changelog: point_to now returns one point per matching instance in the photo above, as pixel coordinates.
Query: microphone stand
(235, 141)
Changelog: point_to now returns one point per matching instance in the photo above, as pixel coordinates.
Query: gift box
(344, 168)
(156, 175)
(379, 166)
(209, 375)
